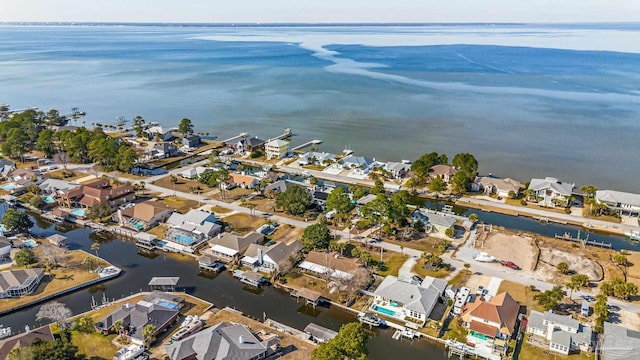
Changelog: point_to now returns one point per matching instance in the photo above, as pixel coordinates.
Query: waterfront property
(54, 186)
(197, 223)
(158, 308)
(359, 165)
(406, 301)
(159, 133)
(364, 201)
(191, 141)
(398, 170)
(550, 191)
(6, 167)
(492, 185)
(229, 246)
(25, 339)
(144, 215)
(444, 172)
(434, 222)
(563, 333)
(194, 172)
(224, 341)
(58, 240)
(329, 265)
(621, 202)
(319, 334)
(619, 343)
(276, 149)
(16, 283)
(96, 192)
(163, 150)
(316, 158)
(271, 258)
(247, 143)
(491, 320)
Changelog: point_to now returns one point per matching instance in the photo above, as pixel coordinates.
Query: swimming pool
(183, 239)
(78, 212)
(382, 310)
(49, 199)
(9, 186)
(168, 304)
(30, 243)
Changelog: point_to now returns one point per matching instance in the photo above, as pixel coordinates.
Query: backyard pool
(168, 304)
(382, 310)
(49, 200)
(183, 239)
(78, 212)
(9, 186)
(30, 243)
(3, 229)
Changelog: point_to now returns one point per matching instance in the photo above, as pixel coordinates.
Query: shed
(164, 283)
(318, 333)
(58, 240)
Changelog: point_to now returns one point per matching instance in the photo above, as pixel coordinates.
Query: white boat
(4, 332)
(129, 352)
(408, 333)
(633, 235)
(484, 257)
(369, 319)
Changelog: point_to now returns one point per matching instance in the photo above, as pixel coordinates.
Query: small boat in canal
(369, 319)
(633, 235)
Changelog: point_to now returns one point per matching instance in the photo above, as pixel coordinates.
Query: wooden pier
(286, 134)
(567, 237)
(231, 139)
(308, 143)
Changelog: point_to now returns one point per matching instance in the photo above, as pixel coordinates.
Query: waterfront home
(158, 308)
(6, 167)
(619, 343)
(564, 333)
(271, 259)
(16, 283)
(224, 342)
(191, 141)
(194, 172)
(163, 150)
(550, 191)
(24, 339)
(145, 215)
(229, 246)
(276, 149)
(329, 265)
(201, 223)
(319, 334)
(406, 301)
(444, 172)
(398, 170)
(25, 177)
(96, 192)
(58, 240)
(434, 222)
(55, 186)
(160, 133)
(241, 180)
(492, 185)
(621, 202)
(316, 158)
(493, 319)
(359, 165)
(249, 144)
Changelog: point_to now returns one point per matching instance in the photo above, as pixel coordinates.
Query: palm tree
(95, 246)
(89, 262)
(348, 225)
(118, 326)
(572, 286)
(147, 333)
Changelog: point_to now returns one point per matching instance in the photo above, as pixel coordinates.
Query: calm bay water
(527, 100)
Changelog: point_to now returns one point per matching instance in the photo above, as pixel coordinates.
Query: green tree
(339, 201)
(418, 226)
(422, 165)
(378, 188)
(148, 331)
(357, 192)
(126, 158)
(117, 327)
(16, 144)
(45, 142)
(99, 211)
(589, 190)
(88, 260)
(437, 185)
(549, 299)
(57, 349)
(316, 236)
(95, 246)
(24, 257)
(572, 286)
(185, 127)
(295, 200)
(84, 324)
(581, 279)
(563, 267)
(459, 182)
(473, 217)
(467, 163)
(213, 178)
(411, 183)
(138, 126)
(37, 202)
(450, 232)
(14, 220)
(350, 343)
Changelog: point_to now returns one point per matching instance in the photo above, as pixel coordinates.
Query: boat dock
(308, 143)
(233, 138)
(567, 237)
(249, 277)
(547, 220)
(286, 134)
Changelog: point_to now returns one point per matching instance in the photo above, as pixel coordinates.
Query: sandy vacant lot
(518, 249)
(578, 264)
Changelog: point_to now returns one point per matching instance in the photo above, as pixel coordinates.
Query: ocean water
(527, 100)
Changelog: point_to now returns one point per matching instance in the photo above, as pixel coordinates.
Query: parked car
(480, 290)
(417, 278)
(510, 265)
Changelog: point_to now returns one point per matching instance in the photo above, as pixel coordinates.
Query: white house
(622, 202)
(359, 165)
(551, 191)
(398, 170)
(434, 222)
(165, 133)
(276, 149)
(493, 185)
(229, 246)
(407, 301)
(564, 333)
(329, 265)
(270, 258)
(199, 222)
(316, 158)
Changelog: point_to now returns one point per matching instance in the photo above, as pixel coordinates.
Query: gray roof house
(434, 222)
(221, 342)
(191, 141)
(316, 158)
(564, 333)
(229, 246)
(360, 165)
(196, 221)
(622, 202)
(619, 343)
(270, 258)
(164, 150)
(494, 185)
(405, 300)
(15, 283)
(550, 190)
(280, 186)
(6, 166)
(398, 170)
(52, 186)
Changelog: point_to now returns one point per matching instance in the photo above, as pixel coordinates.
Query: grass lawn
(183, 185)
(232, 195)
(220, 210)
(244, 223)
(420, 270)
(521, 293)
(298, 280)
(533, 352)
(94, 345)
(461, 278)
(181, 205)
(457, 332)
(57, 174)
(70, 272)
(158, 231)
(287, 233)
(392, 260)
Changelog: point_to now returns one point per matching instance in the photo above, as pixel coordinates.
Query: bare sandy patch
(578, 264)
(515, 248)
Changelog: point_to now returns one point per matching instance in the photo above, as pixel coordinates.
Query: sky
(320, 11)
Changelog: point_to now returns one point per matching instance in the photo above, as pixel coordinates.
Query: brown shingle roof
(146, 210)
(502, 309)
(442, 170)
(333, 260)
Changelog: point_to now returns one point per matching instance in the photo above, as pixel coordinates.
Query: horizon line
(152, 23)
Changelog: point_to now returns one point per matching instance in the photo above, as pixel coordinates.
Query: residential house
(276, 149)
(16, 283)
(96, 192)
(444, 172)
(271, 259)
(194, 173)
(434, 222)
(224, 342)
(158, 308)
(249, 144)
(25, 177)
(359, 165)
(364, 201)
(145, 215)
(280, 186)
(316, 158)
(494, 319)
(330, 265)
(6, 167)
(54, 186)
(551, 191)
(58, 240)
(243, 181)
(622, 202)
(404, 300)
(229, 246)
(191, 141)
(198, 225)
(491, 185)
(24, 339)
(158, 132)
(398, 170)
(319, 198)
(564, 333)
(619, 343)
(164, 150)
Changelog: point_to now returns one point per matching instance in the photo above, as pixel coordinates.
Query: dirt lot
(577, 263)
(243, 223)
(509, 247)
(287, 233)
